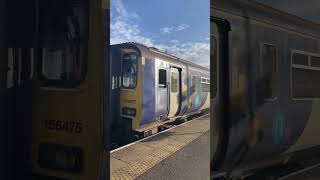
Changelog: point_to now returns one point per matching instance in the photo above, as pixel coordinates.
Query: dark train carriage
(54, 89)
(151, 88)
(267, 71)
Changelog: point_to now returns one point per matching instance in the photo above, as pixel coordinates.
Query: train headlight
(129, 111)
(60, 157)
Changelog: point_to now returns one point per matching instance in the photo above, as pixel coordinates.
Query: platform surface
(179, 153)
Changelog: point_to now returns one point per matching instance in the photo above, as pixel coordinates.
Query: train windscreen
(64, 39)
(129, 71)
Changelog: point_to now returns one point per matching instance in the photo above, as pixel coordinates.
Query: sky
(180, 27)
(308, 9)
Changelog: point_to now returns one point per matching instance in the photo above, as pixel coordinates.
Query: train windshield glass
(63, 41)
(129, 71)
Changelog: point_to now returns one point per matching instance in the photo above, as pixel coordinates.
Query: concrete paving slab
(189, 163)
(138, 159)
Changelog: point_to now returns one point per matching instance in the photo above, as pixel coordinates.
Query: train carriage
(56, 89)
(266, 68)
(151, 88)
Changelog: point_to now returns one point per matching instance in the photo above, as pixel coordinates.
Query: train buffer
(181, 152)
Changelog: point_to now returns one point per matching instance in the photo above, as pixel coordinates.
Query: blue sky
(179, 26)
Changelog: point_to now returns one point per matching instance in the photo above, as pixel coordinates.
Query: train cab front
(130, 103)
(66, 82)
(126, 78)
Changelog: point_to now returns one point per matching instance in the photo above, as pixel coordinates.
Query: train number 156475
(63, 126)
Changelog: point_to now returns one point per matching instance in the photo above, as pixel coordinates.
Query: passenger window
(300, 59)
(214, 65)
(205, 84)
(203, 80)
(174, 82)
(306, 78)
(305, 83)
(162, 78)
(315, 61)
(64, 41)
(269, 71)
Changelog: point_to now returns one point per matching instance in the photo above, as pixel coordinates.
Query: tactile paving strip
(162, 148)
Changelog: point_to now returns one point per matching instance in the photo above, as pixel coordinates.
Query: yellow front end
(131, 100)
(68, 133)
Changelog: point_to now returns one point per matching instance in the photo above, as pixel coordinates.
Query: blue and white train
(151, 88)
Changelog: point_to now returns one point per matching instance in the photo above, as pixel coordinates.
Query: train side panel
(303, 90)
(148, 91)
(265, 120)
(197, 98)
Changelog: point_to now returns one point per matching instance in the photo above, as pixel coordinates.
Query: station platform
(181, 152)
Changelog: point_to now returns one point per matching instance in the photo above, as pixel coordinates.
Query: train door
(174, 91)
(219, 90)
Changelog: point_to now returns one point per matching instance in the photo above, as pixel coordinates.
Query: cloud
(195, 52)
(122, 31)
(182, 27)
(174, 41)
(169, 30)
(166, 30)
(125, 28)
(119, 7)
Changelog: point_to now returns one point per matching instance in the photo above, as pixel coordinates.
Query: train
(54, 89)
(151, 88)
(265, 66)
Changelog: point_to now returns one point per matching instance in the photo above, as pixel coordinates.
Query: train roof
(154, 52)
(260, 12)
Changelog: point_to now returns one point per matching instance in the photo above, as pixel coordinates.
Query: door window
(269, 70)
(162, 78)
(174, 82)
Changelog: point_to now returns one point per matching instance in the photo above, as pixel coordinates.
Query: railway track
(167, 128)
